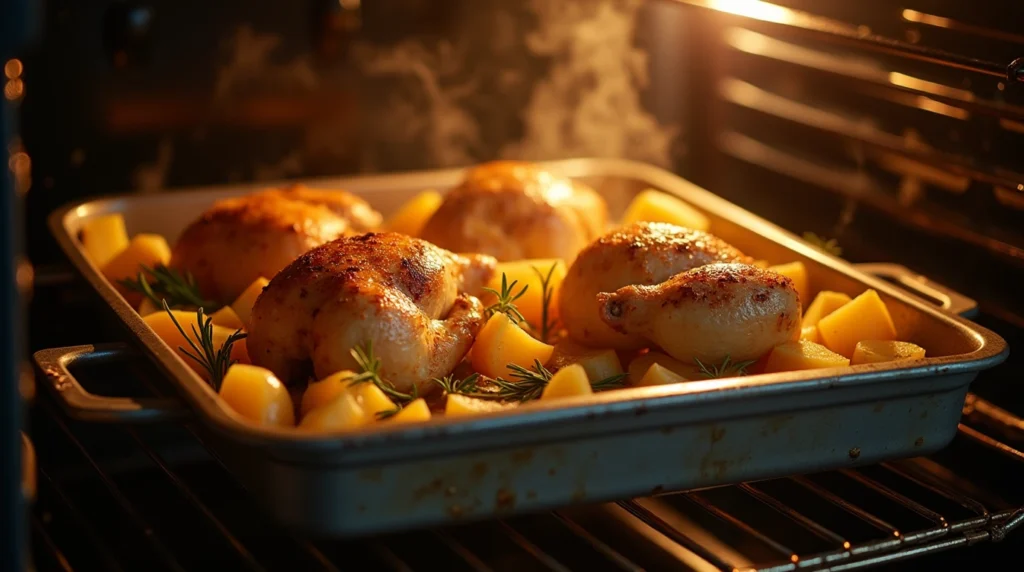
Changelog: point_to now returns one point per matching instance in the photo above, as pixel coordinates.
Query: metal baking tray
(612, 445)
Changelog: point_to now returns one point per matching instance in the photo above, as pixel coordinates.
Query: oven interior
(889, 127)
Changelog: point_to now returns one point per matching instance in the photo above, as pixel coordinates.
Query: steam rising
(589, 104)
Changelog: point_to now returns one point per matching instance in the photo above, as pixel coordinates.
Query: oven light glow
(754, 9)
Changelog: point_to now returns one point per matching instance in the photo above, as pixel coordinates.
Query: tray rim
(635, 401)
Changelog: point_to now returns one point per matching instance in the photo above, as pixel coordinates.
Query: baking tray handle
(80, 404)
(923, 288)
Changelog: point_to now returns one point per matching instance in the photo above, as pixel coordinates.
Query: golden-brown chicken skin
(639, 253)
(708, 313)
(412, 300)
(514, 210)
(240, 239)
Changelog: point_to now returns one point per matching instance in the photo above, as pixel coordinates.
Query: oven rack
(821, 28)
(151, 497)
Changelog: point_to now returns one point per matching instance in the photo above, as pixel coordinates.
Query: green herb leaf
(725, 368)
(547, 325)
(369, 365)
(828, 246)
(506, 300)
(168, 284)
(214, 360)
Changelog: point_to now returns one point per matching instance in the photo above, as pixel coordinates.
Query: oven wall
(142, 96)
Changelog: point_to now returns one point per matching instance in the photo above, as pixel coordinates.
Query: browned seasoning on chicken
(708, 312)
(412, 300)
(640, 253)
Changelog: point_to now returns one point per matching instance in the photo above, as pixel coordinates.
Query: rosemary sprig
(828, 246)
(168, 284)
(215, 361)
(465, 386)
(528, 384)
(370, 365)
(506, 300)
(726, 368)
(547, 294)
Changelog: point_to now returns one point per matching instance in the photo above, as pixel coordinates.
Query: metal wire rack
(151, 497)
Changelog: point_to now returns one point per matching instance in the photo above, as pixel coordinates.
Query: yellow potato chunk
(500, 343)
(656, 206)
(569, 381)
(143, 249)
(598, 363)
(227, 317)
(104, 237)
(810, 333)
(319, 393)
(801, 354)
(824, 304)
(640, 365)
(161, 323)
(340, 414)
(245, 301)
(797, 272)
(659, 375)
(415, 412)
(371, 398)
(863, 318)
(415, 213)
(462, 406)
(256, 394)
(875, 351)
(528, 273)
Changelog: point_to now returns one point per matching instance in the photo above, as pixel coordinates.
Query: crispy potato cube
(801, 354)
(528, 273)
(875, 351)
(810, 333)
(227, 318)
(371, 398)
(319, 393)
(500, 343)
(569, 381)
(863, 318)
(340, 414)
(640, 365)
(103, 238)
(656, 206)
(462, 406)
(598, 363)
(824, 304)
(143, 249)
(414, 213)
(797, 272)
(415, 412)
(658, 374)
(256, 394)
(245, 301)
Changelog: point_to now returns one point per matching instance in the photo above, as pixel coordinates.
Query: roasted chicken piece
(240, 239)
(640, 253)
(513, 211)
(708, 313)
(412, 300)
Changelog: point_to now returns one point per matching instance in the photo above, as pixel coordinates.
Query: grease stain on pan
(717, 434)
(429, 489)
(775, 424)
(371, 475)
(504, 500)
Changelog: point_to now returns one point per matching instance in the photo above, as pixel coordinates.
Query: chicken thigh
(412, 300)
(640, 253)
(513, 211)
(708, 313)
(240, 239)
